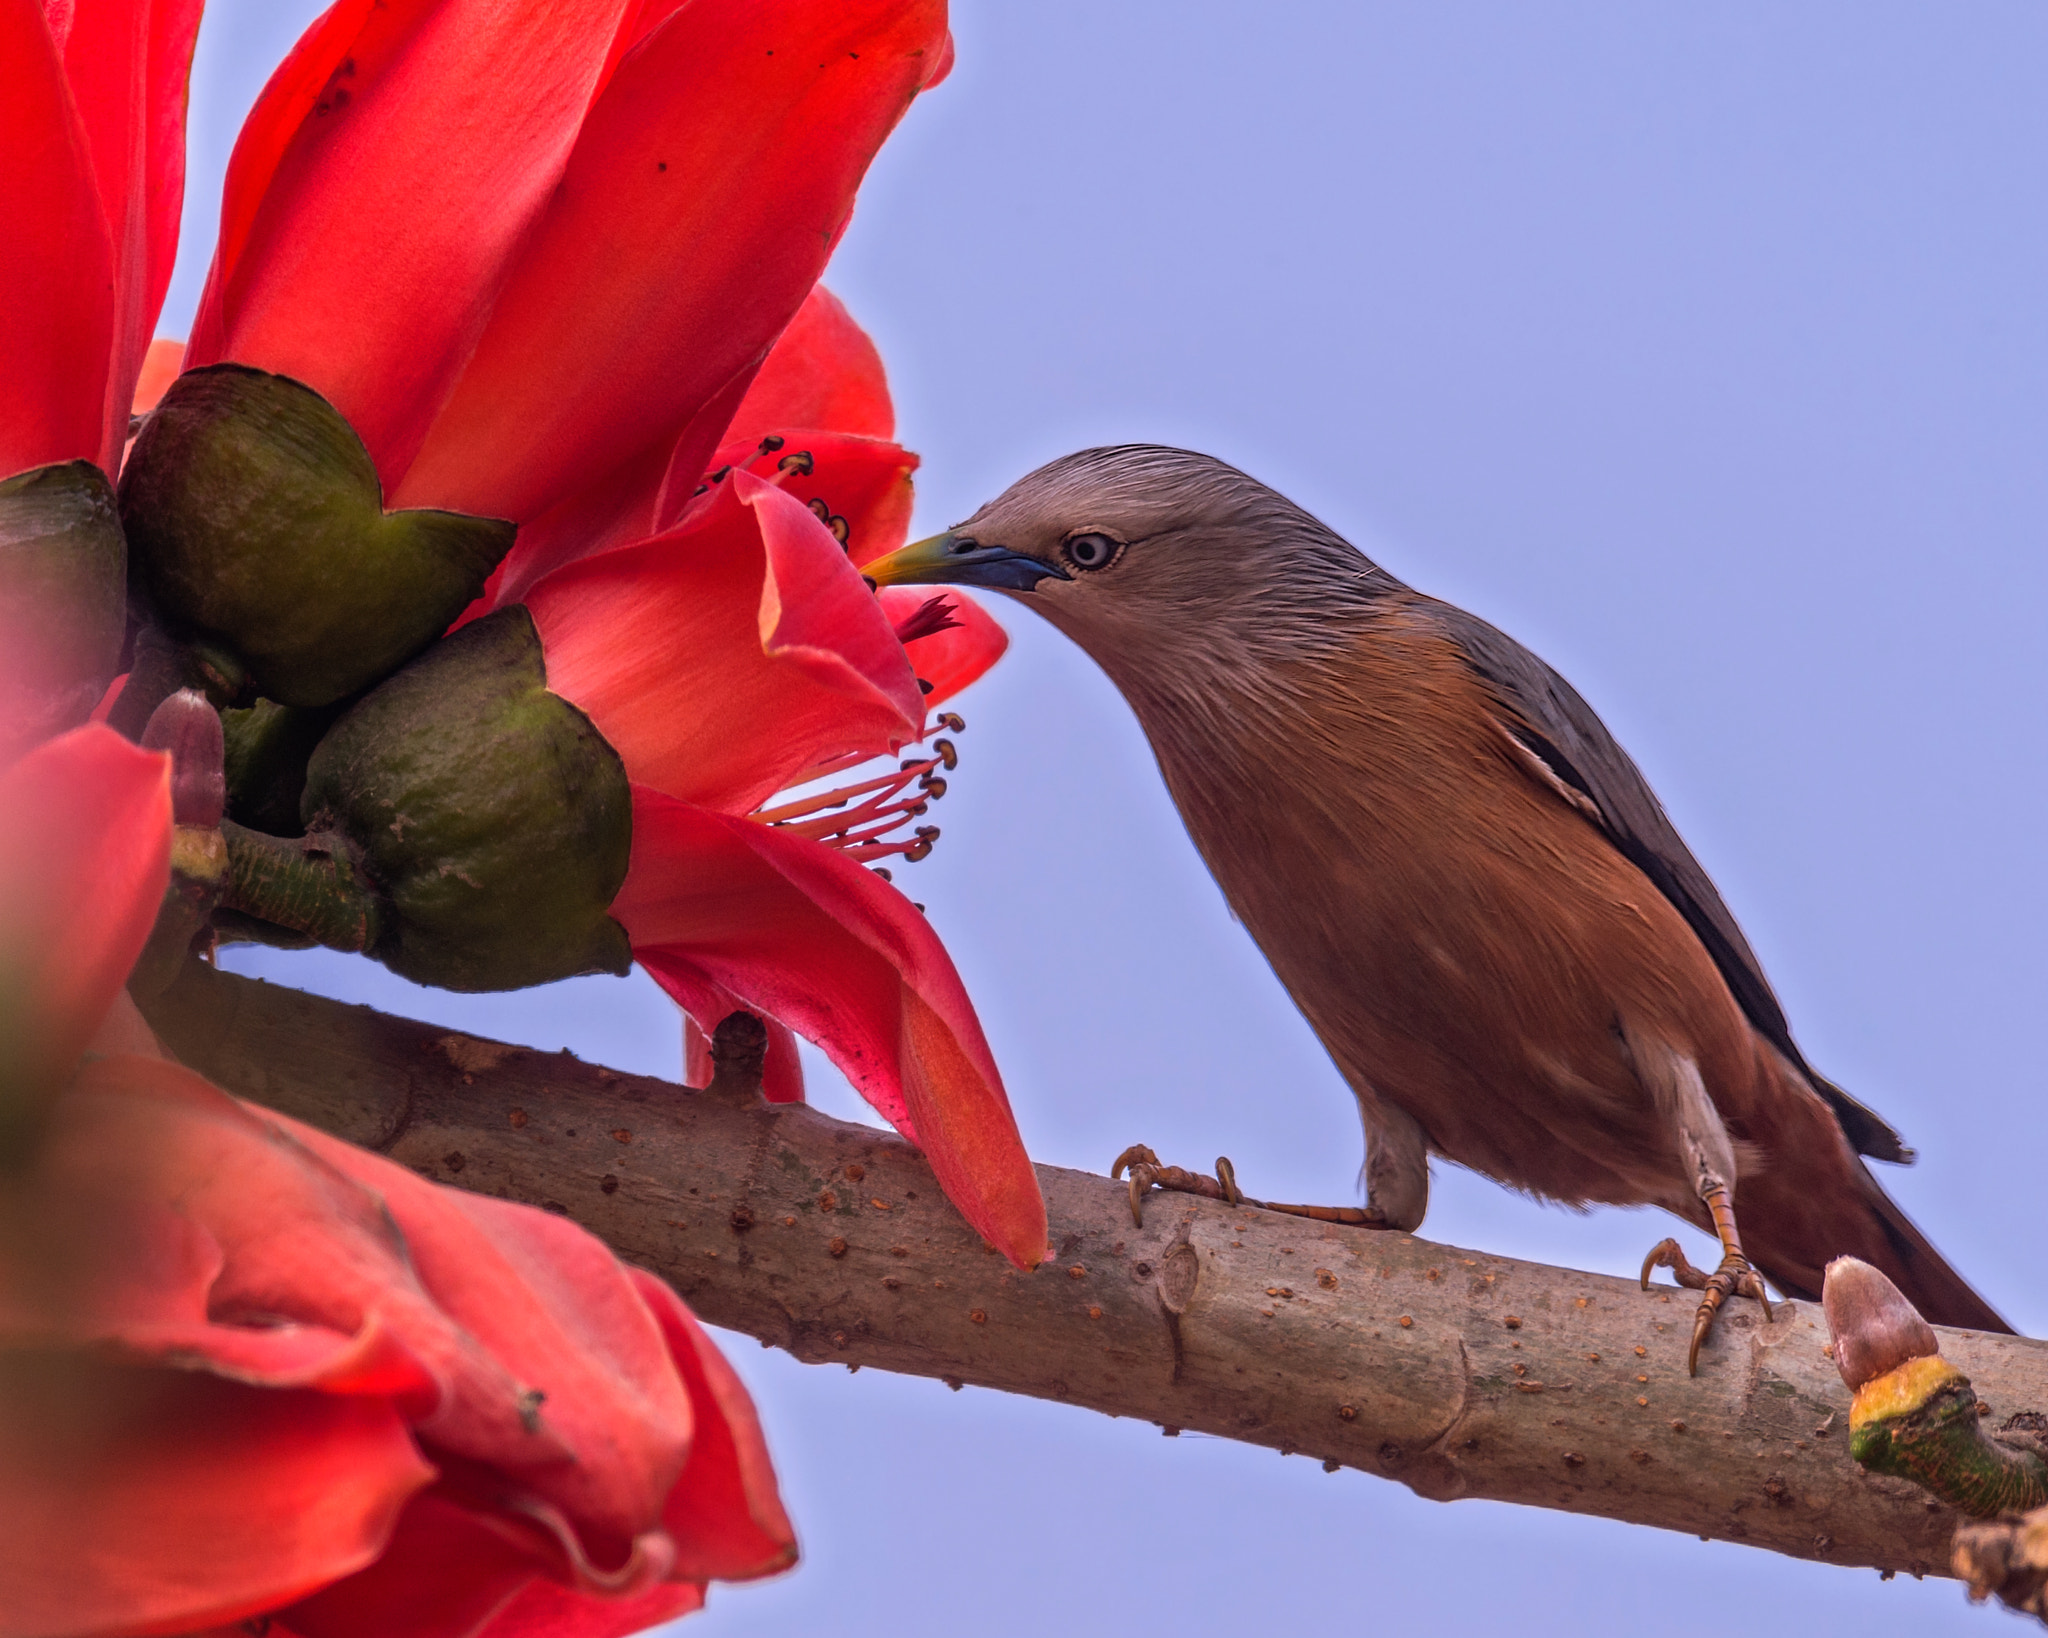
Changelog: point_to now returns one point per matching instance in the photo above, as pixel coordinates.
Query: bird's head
(1148, 557)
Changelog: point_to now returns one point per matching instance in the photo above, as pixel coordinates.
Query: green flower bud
(256, 520)
(268, 747)
(63, 600)
(489, 815)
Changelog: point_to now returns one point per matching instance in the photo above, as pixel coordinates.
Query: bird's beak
(951, 560)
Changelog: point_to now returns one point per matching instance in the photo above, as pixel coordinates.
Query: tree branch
(1457, 1373)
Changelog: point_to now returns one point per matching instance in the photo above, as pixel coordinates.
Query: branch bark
(1458, 1373)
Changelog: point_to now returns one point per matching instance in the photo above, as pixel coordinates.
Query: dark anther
(929, 833)
(919, 849)
(720, 474)
(954, 721)
(933, 786)
(800, 463)
(769, 445)
(821, 509)
(947, 752)
(923, 687)
(883, 872)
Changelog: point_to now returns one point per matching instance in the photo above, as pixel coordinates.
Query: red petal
(56, 264)
(866, 481)
(800, 932)
(648, 495)
(782, 1070)
(129, 62)
(725, 1514)
(555, 1309)
(389, 170)
(85, 847)
(160, 367)
(724, 657)
(822, 372)
(545, 1610)
(951, 659)
(445, 1572)
(703, 197)
(202, 1501)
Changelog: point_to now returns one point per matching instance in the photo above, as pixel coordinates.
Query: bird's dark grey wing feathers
(1547, 715)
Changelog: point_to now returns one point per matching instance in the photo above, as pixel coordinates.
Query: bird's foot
(1147, 1173)
(1734, 1278)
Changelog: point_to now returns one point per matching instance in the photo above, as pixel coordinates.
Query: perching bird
(1463, 881)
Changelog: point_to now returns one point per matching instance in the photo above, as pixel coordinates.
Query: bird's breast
(1464, 941)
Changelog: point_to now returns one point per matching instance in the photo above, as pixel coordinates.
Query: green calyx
(63, 597)
(491, 818)
(268, 748)
(1939, 1442)
(256, 520)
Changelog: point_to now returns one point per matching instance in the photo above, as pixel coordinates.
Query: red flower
(246, 1369)
(525, 248)
(92, 173)
(739, 652)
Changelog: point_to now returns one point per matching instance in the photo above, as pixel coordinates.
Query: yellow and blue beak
(957, 560)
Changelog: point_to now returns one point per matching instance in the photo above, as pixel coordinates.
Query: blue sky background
(1704, 350)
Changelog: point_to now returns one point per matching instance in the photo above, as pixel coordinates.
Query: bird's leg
(1735, 1276)
(1672, 1078)
(1147, 1173)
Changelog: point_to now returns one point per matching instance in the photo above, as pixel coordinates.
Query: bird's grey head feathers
(1159, 562)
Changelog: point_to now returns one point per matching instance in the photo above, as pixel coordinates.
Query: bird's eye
(1091, 551)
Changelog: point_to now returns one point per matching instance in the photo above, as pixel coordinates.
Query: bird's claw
(1147, 1173)
(1734, 1278)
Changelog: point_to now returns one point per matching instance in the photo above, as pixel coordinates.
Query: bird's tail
(1799, 1231)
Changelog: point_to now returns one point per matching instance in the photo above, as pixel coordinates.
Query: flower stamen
(865, 819)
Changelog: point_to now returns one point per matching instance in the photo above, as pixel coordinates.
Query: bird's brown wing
(1549, 719)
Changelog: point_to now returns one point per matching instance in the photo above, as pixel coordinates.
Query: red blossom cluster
(553, 265)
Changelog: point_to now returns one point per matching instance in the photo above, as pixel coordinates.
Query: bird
(1465, 884)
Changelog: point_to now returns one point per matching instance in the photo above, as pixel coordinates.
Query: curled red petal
(727, 655)
(725, 1514)
(57, 265)
(961, 654)
(565, 1404)
(863, 483)
(388, 172)
(823, 371)
(704, 195)
(803, 934)
(85, 845)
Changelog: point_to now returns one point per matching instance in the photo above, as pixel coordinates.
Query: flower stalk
(307, 884)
